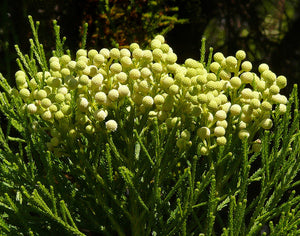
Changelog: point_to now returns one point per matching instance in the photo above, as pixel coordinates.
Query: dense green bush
(127, 141)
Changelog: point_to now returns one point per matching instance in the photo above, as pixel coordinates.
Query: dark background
(267, 30)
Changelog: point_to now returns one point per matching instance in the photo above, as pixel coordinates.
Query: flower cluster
(85, 95)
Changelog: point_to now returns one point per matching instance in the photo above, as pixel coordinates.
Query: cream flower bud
(219, 131)
(147, 56)
(219, 57)
(134, 74)
(80, 65)
(165, 48)
(282, 109)
(171, 58)
(25, 93)
(214, 67)
(133, 46)
(90, 129)
(46, 102)
(155, 43)
(203, 132)
(84, 80)
(47, 115)
(20, 73)
(124, 52)
(166, 82)
(66, 109)
(65, 72)
(274, 89)
(247, 77)
(83, 103)
(263, 67)
(159, 99)
(222, 123)
(122, 77)
(256, 146)
(114, 53)
(255, 103)
(71, 65)
(98, 59)
(137, 53)
(123, 90)
(266, 106)
(126, 61)
(41, 94)
(59, 97)
(147, 101)
(268, 76)
(59, 115)
(111, 125)
(31, 108)
(81, 52)
(160, 38)
(266, 123)
(278, 98)
(116, 68)
(235, 110)
(145, 73)
(20, 79)
(246, 66)
(53, 108)
(97, 80)
(243, 134)
(105, 52)
(92, 53)
(220, 115)
(281, 81)
(157, 68)
(113, 95)
(143, 86)
(240, 55)
(225, 75)
(173, 89)
(100, 115)
(246, 93)
(231, 62)
(157, 54)
(221, 140)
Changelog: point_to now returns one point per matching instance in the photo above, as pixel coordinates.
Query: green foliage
(135, 181)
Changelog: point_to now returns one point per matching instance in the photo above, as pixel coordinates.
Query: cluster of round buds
(98, 88)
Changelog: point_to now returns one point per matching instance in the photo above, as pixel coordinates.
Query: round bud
(159, 99)
(166, 82)
(231, 62)
(235, 82)
(145, 72)
(90, 129)
(157, 68)
(221, 140)
(143, 86)
(41, 94)
(222, 123)
(268, 76)
(235, 110)
(66, 109)
(114, 53)
(133, 46)
(80, 65)
(155, 43)
(83, 103)
(81, 52)
(274, 89)
(255, 103)
(247, 66)
(111, 125)
(157, 54)
(116, 68)
(122, 77)
(165, 48)
(59, 97)
(219, 57)
(173, 89)
(47, 115)
(100, 98)
(219, 131)
(100, 115)
(281, 81)
(98, 59)
(266, 123)
(282, 109)
(203, 132)
(31, 108)
(247, 77)
(123, 90)
(160, 38)
(137, 53)
(204, 151)
(246, 93)
(92, 53)
(256, 146)
(263, 67)
(147, 101)
(243, 134)
(97, 80)
(147, 56)
(71, 65)
(225, 75)
(266, 106)
(59, 115)
(84, 80)
(171, 58)
(124, 52)
(46, 102)
(134, 74)
(113, 95)
(65, 72)
(211, 77)
(240, 55)
(20, 79)
(25, 93)
(220, 115)
(214, 67)
(55, 66)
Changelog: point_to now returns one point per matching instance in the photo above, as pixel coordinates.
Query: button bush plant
(128, 141)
